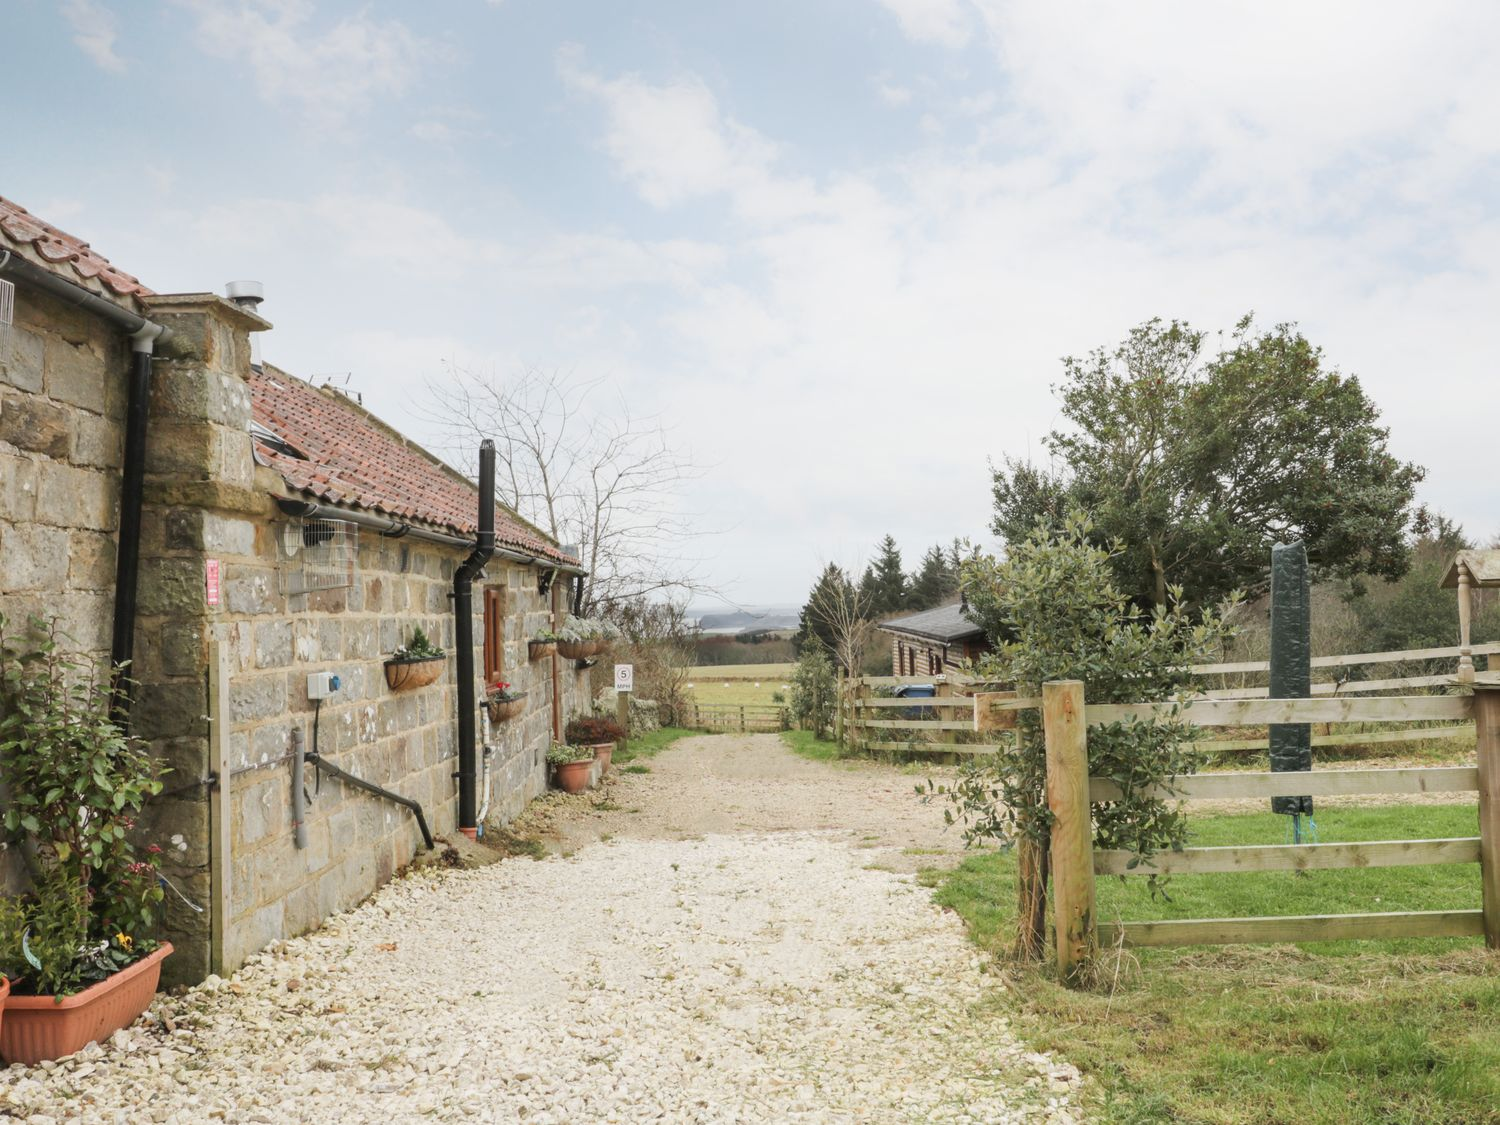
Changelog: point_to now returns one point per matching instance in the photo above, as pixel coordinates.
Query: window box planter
(573, 777)
(540, 650)
(503, 710)
(404, 675)
(39, 1028)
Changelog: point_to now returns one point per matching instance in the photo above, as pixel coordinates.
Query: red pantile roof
(351, 458)
(72, 258)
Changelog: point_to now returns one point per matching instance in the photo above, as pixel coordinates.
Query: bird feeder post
(1465, 617)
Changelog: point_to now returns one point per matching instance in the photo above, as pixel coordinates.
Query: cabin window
(494, 634)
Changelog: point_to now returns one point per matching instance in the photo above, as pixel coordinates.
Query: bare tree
(576, 462)
(846, 611)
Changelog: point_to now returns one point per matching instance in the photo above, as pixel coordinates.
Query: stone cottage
(235, 533)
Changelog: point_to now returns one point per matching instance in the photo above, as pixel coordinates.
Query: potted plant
(571, 766)
(78, 948)
(503, 703)
(542, 644)
(598, 733)
(415, 664)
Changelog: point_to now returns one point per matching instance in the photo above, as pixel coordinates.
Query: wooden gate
(1071, 792)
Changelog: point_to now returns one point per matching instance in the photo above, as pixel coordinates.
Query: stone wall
(208, 500)
(62, 394)
(61, 408)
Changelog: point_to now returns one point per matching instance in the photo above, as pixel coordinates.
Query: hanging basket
(503, 710)
(405, 675)
(540, 650)
(575, 650)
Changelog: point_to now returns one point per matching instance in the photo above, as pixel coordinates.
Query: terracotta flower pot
(574, 650)
(4, 992)
(404, 675)
(539, 650)
(603, 752)
(573, 777)
(42, 1027)
(502, 710)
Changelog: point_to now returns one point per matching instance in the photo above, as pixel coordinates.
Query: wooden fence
(1071, 792)
(920, 725)
(738, 716)
(940, 724)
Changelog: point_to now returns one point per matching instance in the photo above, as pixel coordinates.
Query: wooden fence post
(1487, 731)
(1066, 734)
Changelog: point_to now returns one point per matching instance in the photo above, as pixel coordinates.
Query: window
(494, 634)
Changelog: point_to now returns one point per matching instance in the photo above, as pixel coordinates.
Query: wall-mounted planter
(502, 710)
(573, 777)
(540, 650)
(404, 675)
(575, 650)
(37, 1028)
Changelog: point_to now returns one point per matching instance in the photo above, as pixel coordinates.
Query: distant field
(739, 683)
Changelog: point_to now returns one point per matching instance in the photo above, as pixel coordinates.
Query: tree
(1053, 611)
(813, 692)
(656, 638)
(1414, 612)
(934, 582)
(811, 628)
(585, 471)
(837, 620)
(1196, 464)
(883, 586)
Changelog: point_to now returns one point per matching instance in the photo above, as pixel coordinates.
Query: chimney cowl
(246, 293)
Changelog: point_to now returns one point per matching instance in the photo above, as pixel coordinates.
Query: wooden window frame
(494, 634)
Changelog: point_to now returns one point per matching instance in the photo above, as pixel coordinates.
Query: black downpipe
(128, 555)
(463, 639)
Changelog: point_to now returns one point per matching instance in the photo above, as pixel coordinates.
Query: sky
(838, 246)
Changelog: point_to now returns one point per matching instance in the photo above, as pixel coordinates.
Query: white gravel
(768, 977)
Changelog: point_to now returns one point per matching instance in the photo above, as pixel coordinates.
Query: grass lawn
(818, 750)
(740, 683)
(1394, 1031)
(653, 742)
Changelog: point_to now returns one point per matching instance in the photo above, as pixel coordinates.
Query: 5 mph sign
(624, 677)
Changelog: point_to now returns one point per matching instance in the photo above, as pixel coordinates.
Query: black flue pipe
(128, 549)
(463, 640)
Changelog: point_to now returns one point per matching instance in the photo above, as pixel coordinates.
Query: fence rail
(1349, 660)
(739, 716)
(1075, 862)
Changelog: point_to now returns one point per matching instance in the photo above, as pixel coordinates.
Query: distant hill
(725, 620)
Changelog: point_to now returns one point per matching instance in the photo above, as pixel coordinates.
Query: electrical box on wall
(321, 685)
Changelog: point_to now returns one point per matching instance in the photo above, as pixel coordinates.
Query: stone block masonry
(61, 408)
(61, 433)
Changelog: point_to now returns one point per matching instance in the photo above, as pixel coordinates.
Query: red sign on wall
(211, 577)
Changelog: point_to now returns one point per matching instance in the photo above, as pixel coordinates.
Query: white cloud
(94, 31)
(1121, 168)
(330, 74)
(944, 23)
(892, 94)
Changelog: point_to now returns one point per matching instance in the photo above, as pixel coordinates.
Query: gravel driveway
(736, 975)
